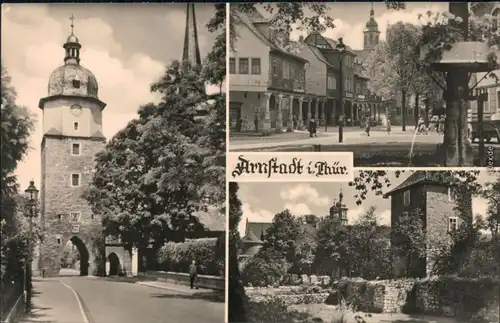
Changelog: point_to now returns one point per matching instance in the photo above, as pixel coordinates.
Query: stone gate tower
(72, 135)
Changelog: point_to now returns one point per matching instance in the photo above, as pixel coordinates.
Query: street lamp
(30, 213)
(341, 47)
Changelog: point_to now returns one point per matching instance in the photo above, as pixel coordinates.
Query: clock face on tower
(76, 110)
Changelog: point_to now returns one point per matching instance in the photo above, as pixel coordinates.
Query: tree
(409, 244)
(370, 246)
(378, 181)
(282, 235)
(308, 17)
(236, 294)
(332, 251)
(492, 194)
(393, 63)
(266, 268)
(17, 125)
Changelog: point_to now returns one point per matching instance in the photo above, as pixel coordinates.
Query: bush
(266, 268)
(471, 299)
(272, 310)
(177, 257)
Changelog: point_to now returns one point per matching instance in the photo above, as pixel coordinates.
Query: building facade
(492, 105)
(432, 195)
(267, 83)
(321, 85)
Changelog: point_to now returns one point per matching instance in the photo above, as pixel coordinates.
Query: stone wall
(469, 299)
(288, 295)
(202, 281)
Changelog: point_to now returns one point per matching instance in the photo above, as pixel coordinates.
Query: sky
(126, 46)
(350, 18)
(261, 201)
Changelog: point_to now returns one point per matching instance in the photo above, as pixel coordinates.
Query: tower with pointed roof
(371, 32)
(72, 135)
(191, 50)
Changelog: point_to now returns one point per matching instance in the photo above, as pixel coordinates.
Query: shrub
(266, 268)
(471, 299)
(272, 310)
(177, 257)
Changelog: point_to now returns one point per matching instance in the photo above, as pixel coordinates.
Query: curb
(162, 287)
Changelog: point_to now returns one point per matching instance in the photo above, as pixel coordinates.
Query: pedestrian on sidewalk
(313, 128)
(193, 272)
(367, 126)
(388, 126)
(421, 128)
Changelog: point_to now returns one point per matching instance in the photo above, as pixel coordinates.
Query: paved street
(329, 138)
(97, 300)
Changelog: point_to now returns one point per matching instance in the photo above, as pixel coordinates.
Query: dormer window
(76, 84)
(406, 198)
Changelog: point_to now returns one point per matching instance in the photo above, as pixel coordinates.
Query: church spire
(191, 50)
(372, 12)
(72, 46)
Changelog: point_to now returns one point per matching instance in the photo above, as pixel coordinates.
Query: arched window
(496, 19)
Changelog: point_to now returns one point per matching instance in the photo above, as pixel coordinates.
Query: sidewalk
(176, 287)
(53, 302)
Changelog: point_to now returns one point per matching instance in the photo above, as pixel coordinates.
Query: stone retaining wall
(470, 299)
(202, 281)
(443, 296)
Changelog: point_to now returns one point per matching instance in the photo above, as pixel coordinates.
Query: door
(235, 116)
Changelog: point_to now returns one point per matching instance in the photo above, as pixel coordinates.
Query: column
(323, 111)
(300, 121)
(135, 262)
(309, 105)
(279, 117)
(289, 124)
(265, 122)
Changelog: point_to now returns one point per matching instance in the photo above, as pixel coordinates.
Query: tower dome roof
(72, 39)
(73, 79)
(371, 24)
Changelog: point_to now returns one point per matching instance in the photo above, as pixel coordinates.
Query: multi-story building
(492, 105)
(321, 84)
(267, 82)
(430, 193)
(328, 48)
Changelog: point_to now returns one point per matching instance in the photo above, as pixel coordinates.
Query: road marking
(85, 318)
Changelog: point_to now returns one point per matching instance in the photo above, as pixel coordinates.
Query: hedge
(177, 257)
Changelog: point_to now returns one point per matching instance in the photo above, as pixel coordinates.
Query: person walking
(193, 273)
(312, 128)
(367, 126)
(421, 126)
(388, 126)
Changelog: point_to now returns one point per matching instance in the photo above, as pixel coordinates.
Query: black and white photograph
(113, 163)
(399, 84)
(390, 246)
